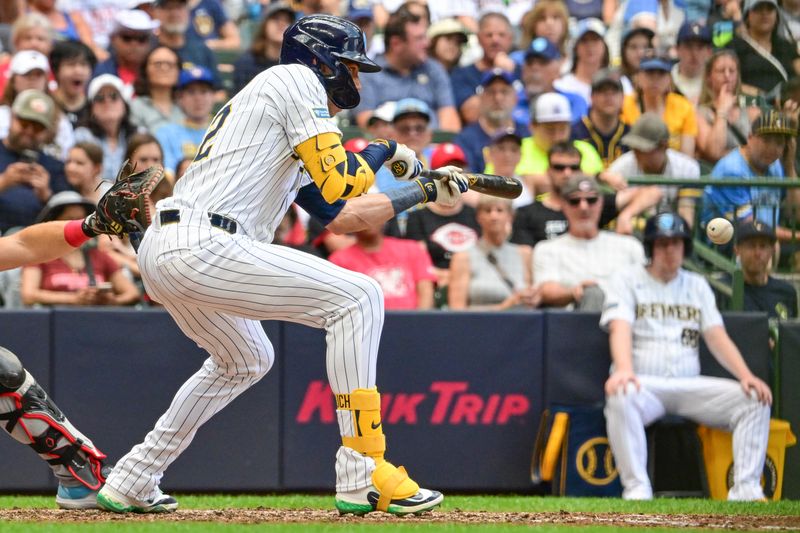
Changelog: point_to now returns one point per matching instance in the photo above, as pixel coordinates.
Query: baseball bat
(500, 186)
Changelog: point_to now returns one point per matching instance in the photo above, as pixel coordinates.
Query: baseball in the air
(719, 230)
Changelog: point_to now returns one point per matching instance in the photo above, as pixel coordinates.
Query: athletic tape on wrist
(406, 196)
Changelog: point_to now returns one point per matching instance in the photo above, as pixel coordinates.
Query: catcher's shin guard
(392, 482)
(31, 417)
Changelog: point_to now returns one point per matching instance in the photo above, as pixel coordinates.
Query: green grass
(494, 503)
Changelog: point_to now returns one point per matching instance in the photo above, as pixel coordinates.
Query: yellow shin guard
(392, 482)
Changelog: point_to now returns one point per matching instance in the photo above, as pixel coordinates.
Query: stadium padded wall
(461, 405)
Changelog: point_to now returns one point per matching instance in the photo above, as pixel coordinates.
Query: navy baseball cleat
(109, 499)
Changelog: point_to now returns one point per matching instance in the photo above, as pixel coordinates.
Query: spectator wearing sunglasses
(412, 126)
(573, 268)
(650, 153)
(131, 40)
(109, 124)
(544, 219)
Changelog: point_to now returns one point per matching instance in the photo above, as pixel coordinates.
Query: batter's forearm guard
(31, 417)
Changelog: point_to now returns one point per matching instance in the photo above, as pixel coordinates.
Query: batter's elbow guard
(338, 174)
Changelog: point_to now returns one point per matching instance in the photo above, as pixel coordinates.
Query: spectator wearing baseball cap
(265, 50)
(109, 125)
(176, 33)
(764, 155)
(589, 55)
(504, 153)
(195, 96)
(133, 35)
(602, 127)
(30, 70)
(694, 51)
(755, 248)
(656, 95)
(767, 59)
(497, 98)
(648, 141)
(540, 70)
(381, 124)
(573, 268)
(496, 39)
(28, 177)
(550, 123)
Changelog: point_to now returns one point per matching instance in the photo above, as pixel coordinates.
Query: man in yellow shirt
(550, 123)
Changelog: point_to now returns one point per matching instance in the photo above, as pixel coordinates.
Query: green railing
(705, 257)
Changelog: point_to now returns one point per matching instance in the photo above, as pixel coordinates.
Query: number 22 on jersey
(213, 129)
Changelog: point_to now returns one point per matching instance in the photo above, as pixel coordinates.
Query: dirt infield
(263, 515)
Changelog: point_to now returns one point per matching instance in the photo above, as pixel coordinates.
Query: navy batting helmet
(318, 40)
(667, 225)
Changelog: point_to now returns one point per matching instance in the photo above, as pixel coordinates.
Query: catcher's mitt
(126, 206)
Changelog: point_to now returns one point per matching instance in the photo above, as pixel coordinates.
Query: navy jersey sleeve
(311, 200)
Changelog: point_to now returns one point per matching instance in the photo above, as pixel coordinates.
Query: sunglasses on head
(562, 167)
(111, 97)
(576, 201)
(131, 37)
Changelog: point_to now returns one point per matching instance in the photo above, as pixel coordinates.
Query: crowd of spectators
(572, 98)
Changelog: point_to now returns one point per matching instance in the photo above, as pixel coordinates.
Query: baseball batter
(208, 260)
(655, 316)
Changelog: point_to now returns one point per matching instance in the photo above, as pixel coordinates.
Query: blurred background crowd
(576, 98)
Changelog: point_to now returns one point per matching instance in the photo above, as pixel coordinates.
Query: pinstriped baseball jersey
(667, 319)
(246, 167)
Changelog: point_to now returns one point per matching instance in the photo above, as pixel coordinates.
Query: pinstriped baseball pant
(217, 287)
(712, 401)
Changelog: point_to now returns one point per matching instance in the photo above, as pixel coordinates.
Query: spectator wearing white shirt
(650, 154)
(573, 268)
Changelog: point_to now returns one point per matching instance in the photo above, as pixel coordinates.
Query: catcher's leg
(31, 417)
(365, 481)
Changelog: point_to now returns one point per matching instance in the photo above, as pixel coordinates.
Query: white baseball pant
(217, 287)
(715, 402)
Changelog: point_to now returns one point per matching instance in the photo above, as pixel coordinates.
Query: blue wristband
(410, 194)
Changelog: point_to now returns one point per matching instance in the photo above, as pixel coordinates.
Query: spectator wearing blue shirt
(28, 178)
(496, 39)
(408, 72)
(210, 24)
(540, 70)
(196, 100)
(497, 94)
(174, 33)
(769, 153)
